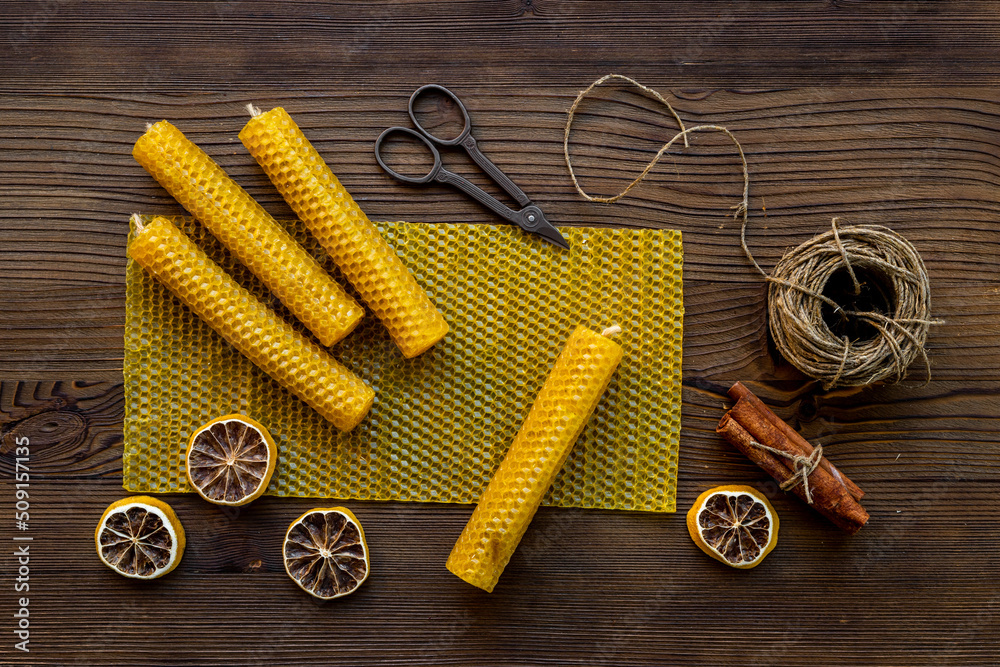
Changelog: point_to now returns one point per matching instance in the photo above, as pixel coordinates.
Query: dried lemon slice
(325, 552)
(734, 524)
(140, 537)
(230, 460)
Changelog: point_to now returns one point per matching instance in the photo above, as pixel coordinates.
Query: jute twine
(683, 134)
(795, 306)
(803, 467)
(795, 292)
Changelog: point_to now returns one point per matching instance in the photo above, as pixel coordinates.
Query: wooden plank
(651, 596)
(78, 426)
(321, 46)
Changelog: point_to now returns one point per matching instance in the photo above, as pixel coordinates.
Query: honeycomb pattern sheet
(442, 421)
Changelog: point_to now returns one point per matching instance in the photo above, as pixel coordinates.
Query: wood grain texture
(586, 587)
(878, 112)
(166, 46)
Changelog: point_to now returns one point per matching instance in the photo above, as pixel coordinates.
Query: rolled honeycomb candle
(294, 361)
(344, 231)
(250, 233)
(567, 399)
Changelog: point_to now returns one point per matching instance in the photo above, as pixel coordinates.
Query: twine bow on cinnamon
(793, 462)
(804, 466)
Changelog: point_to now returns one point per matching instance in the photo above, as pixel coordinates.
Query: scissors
(529, 218)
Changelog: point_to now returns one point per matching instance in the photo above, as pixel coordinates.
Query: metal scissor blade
(552, 235)
(532, 220)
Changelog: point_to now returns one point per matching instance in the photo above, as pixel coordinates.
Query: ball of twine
(796, 300)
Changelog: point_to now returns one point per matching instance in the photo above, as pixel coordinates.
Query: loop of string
(683, 134)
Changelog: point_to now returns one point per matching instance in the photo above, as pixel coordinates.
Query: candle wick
(611, 331)
(254, 111)
(137, 221)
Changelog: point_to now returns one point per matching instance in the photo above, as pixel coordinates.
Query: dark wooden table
(878, 112)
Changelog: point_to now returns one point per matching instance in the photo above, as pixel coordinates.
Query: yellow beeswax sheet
(443, 421)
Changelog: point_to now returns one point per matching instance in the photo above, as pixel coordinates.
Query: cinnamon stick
(731, 430)
(830, 497)
(738, 391)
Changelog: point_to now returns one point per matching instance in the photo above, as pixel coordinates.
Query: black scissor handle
(454, 98)
(426, 178)
(468, 142)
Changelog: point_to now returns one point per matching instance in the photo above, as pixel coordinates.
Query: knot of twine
(795, 291)
(804, 466)
(795, 306)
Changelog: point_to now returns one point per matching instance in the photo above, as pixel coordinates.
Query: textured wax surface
(443, 421)
(344, 231)
(250, 233)
(294, 361)
(558, 415)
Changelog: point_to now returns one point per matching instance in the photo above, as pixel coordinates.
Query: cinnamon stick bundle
(781, 452)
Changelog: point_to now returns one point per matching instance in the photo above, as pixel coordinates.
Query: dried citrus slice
(140, 537)
(325, 552)
(734, 524)
(230, 460)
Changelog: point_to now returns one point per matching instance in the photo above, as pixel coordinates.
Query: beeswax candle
(297, 363)
(250, 233)
(561, 410)
(344, 231)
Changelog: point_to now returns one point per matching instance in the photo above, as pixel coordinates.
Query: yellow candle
(342, 228)
(561, 410)
(249, 232)
(297, 363)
